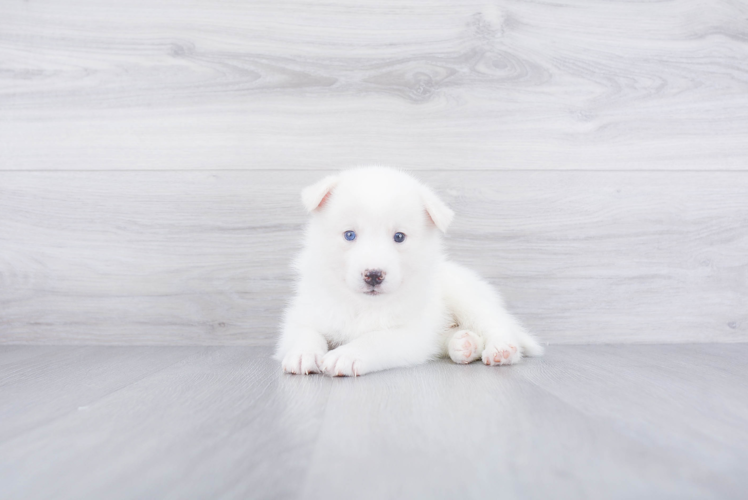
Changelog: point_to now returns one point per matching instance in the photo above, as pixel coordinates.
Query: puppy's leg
(301, 350)
(380, 350)
(478, 308)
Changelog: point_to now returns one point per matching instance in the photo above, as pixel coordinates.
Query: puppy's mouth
(373, 291)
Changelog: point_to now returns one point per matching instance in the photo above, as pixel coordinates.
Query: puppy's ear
(314, 196)
(437, 210)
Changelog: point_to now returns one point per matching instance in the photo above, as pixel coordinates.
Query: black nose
(374, 277)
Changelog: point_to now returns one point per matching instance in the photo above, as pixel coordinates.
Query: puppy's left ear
(437, 210)
(314, 196)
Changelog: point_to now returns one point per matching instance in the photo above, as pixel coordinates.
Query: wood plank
(446, 431)
(671, 396)
(202, 428)
(438, 85)
(11, 355)
(34, 395)
(659, 421)
(203, 258)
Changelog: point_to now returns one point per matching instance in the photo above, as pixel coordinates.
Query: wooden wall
(151, 155)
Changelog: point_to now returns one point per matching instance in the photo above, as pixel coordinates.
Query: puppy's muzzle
(374, 277)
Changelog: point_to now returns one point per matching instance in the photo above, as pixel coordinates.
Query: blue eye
(399, 237)
(349, 235)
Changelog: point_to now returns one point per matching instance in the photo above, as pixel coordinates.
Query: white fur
(425, 308)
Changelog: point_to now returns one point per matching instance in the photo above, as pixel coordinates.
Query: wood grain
(203, 258)
(656, 421)
(470, 431)
(687, 400)
(435, 85)
(151, 155)
(204, 427)
(29, 376)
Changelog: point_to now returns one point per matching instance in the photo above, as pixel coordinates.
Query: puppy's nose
(374, 277)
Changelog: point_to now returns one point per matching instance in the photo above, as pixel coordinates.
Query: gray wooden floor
(635, 421)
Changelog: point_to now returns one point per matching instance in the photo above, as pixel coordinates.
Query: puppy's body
(375, 290)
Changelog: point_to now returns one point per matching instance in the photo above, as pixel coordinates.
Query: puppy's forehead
(378, 193)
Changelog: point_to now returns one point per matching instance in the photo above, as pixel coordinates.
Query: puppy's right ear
(314, 196)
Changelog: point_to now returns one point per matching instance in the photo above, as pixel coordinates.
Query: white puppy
(375, 290)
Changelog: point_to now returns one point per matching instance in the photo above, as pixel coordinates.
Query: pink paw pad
(503, 354)
(464, 347)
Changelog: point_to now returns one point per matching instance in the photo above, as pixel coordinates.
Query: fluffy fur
(344, 322)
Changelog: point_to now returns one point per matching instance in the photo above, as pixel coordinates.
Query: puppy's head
(374, 230)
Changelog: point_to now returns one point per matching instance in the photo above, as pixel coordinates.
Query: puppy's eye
(349, 235)
(399, 237)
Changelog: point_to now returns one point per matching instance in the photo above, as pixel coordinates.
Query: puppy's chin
(362, 290)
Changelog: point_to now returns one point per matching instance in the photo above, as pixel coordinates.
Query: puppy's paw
(302, 363)
(342, 362)
(465, 347)
(498, 352)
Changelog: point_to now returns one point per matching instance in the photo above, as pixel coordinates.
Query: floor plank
(683, 398)
(35, 395)
(664, 421)
(201, 428)
(471, 432)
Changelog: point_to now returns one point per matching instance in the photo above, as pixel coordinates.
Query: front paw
(299, 363)
(342, 362)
